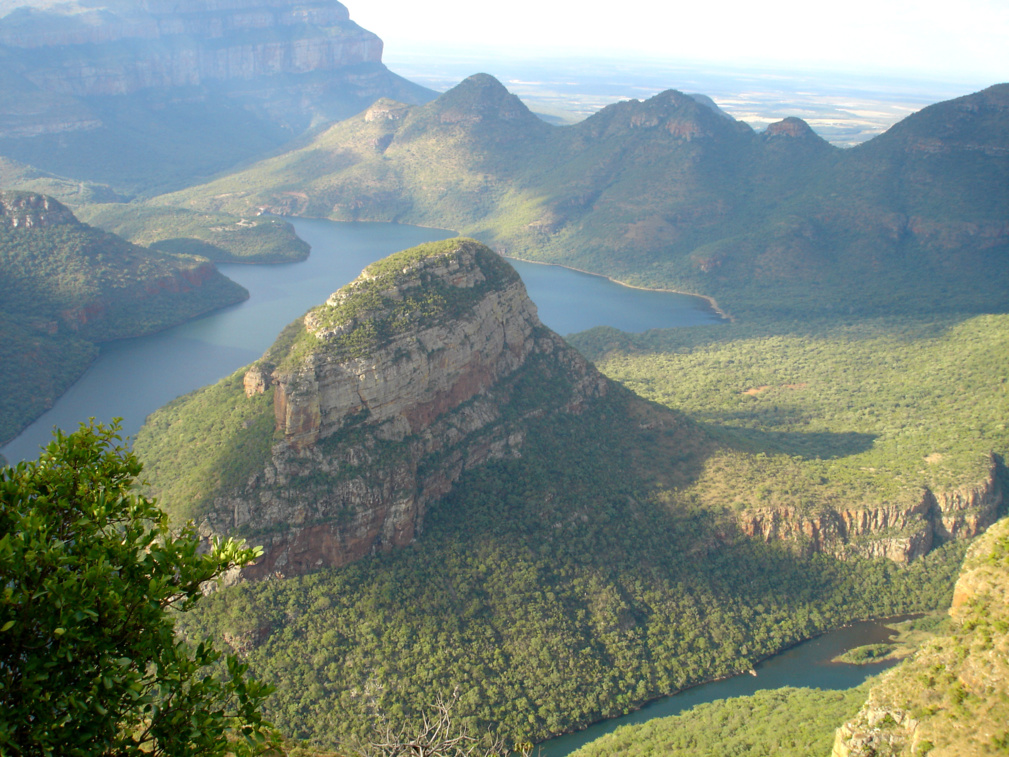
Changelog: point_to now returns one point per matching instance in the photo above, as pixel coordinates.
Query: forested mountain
(451, 498)
(669, 193)
(68, 286)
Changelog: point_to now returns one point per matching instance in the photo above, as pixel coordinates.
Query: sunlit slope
(669, 193)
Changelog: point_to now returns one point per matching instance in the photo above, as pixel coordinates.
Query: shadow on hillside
(815, 445)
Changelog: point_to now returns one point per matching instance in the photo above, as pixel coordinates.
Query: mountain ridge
(667, 193)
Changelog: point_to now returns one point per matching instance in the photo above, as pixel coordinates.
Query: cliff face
(898, 533)
(78, 50)
(419, 370)
(127, 91)
(949, 698)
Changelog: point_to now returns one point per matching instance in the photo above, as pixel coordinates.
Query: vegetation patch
(785, 722)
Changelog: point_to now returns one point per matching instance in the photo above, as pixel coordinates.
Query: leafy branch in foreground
(91, 578)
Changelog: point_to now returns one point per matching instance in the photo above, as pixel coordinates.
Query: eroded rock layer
(893, 531)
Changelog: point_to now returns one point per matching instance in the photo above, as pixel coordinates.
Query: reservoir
(134, 377)
(806, 665)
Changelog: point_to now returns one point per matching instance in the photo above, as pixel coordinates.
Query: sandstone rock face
(288, 61)
(184, 44)
(369, 438)
(898, 533)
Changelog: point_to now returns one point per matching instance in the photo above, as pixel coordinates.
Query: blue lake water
(133, 377)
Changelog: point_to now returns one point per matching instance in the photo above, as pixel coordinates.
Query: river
(808, 664)
(133, 377)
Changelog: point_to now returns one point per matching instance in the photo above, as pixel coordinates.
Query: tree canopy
(91, 579)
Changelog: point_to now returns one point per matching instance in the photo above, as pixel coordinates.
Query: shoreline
(745, 671)
(712, 303)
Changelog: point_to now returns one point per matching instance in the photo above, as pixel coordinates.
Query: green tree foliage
(92, 579)
(551, 590)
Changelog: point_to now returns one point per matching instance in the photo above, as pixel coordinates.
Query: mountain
(450, 498)
(367, 410)
(151, 93)
(949, 698)
(68, 287)
(670, 193)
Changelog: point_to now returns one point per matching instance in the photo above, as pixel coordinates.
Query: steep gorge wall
(103, 53)
(896, 532)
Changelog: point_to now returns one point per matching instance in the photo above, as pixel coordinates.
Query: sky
(947, 39)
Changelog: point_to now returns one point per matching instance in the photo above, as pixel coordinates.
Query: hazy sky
(948, 39)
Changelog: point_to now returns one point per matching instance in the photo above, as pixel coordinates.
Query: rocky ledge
(427, 365)
(892, 531)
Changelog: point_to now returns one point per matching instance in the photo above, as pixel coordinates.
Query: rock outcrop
(421, 369)
(896, 532)
(27, 210)
(285, 59)
(948, 700)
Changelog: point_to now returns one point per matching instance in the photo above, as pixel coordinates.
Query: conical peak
(481, 97)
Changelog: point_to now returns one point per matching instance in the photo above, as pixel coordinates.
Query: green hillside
(551, 591)
(784, 722)
(68, 286)
(668, 193)
(606, 565)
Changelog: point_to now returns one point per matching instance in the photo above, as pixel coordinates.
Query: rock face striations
(896, 532)
(427, 365)
(259, 71)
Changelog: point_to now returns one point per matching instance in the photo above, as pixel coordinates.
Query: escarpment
(425, 366)
(894, 531)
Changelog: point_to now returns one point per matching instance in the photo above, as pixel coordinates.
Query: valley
(697, 380)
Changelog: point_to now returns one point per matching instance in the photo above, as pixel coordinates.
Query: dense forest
(551, 591)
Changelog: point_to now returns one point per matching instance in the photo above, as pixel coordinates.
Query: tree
(91, 577)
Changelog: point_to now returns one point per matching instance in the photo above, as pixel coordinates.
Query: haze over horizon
(928, 39)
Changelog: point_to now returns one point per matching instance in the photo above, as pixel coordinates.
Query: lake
(134, 377)
(808, 665)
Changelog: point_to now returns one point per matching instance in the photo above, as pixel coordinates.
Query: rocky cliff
(242, 75)
(950, 698)
(896, 532)
(426, 366)
(180, 44)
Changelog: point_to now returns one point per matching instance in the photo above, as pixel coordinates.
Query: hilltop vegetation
(668, 193)
(220, 237)
(815, 414)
